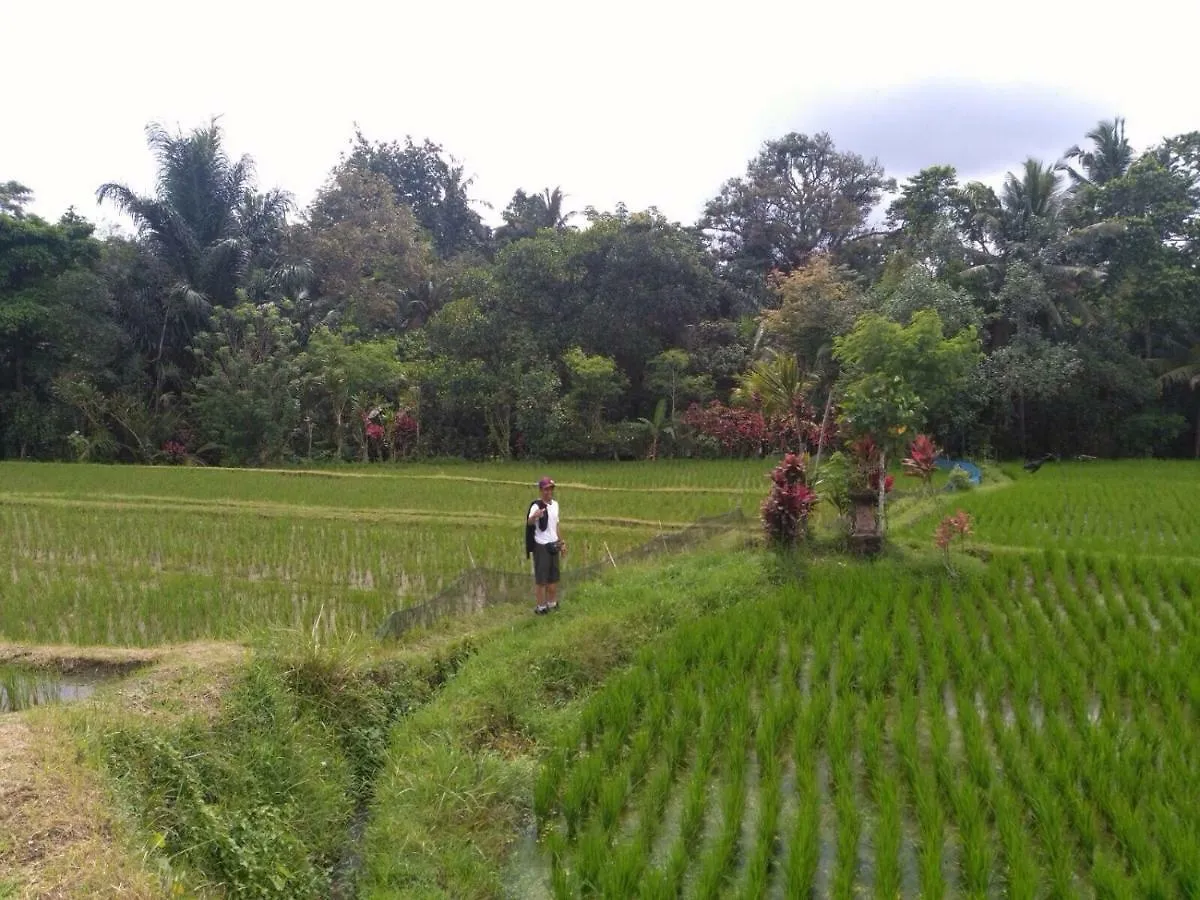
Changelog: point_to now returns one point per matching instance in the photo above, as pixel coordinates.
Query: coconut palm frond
(1180, 370)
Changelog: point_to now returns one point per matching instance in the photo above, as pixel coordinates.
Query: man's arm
(535, 512)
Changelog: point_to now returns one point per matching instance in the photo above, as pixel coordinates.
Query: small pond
(22, 688)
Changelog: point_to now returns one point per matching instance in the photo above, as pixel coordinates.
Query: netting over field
(477, 588)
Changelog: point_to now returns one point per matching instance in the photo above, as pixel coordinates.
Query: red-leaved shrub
(786, 509)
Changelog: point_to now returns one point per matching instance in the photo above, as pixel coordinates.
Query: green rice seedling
(872, 744)
(937, 666)
(560, 878)
(1050, 823)
(979, 763)
(977, 858)
(849, 830)
(591, 857)
(1021, 875)
(546, 787)
(612, 741)
(939, 739)
(716, 863)
(653, 803)
(888, 834)
(906, 743)
(611, 800)
(804, 846)
(623, 873)
(656, 885)
(640, 750)
(770, 802)
(932, 841)
(691, 823)
(580, 791)
(693, 808)
(715, 867)
(1109, 879)
(1180, 845)
(677, 738)
(1153, 880)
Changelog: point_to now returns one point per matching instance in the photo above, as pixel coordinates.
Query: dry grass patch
(61, 834)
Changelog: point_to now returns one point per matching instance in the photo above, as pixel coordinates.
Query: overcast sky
(650, 102)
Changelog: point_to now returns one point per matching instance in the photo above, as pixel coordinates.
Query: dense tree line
(388, 321)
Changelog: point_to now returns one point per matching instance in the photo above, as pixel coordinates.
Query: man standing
(548, 545)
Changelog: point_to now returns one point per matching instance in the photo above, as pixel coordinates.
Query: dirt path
(60, 833)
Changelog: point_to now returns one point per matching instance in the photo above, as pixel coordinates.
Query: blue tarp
(969, 467)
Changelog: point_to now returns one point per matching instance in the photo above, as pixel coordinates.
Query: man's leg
(540, 574)
(552, 584)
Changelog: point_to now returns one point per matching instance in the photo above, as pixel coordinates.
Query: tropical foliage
(1055, 311)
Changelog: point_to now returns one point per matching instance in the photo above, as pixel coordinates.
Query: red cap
(545, 481)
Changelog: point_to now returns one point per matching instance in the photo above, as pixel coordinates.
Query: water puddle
(24, 688)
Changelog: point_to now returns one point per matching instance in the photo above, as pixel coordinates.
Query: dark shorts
(545, 565)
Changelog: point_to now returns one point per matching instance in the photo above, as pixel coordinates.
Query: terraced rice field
(1027, 729)
(1138, 508)
(137, 556)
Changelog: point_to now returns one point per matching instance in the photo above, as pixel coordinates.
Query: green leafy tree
(669, 374)
(627, 287)
(337, 369)
(1152, 262)
(918, 290)
(55, 319)
(925, 221)
(914, 370)
(432, 184)
(247, 398)
(817, 303)
(367, 255)
(14, 197)
(486, 371)
(595, 384)
(799, 196)
(1031, 369)
(720, 350)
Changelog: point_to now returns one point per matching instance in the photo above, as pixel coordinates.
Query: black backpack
(542, 524)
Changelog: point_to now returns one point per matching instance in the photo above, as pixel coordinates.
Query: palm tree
(656, 427)
(780, 385)
(552, 215)
(527, 214)
(1025, 224)
(204, 220)
(1030, 204)
(1184, 371)
(1110, 157)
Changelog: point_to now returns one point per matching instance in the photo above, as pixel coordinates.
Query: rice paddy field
(140, 556)
(1136, 508)
(1026, 725)
(1026, 728)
